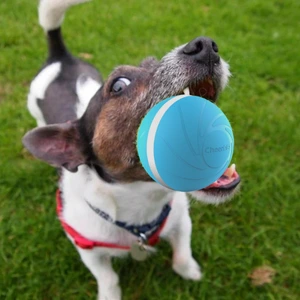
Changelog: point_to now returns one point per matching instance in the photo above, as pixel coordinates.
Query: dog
(106, 202)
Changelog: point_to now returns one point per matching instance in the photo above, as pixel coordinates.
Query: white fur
(212, 199)
(225, 74)
(38, 89)
(136, 203)
(86, 88)
(51, 12)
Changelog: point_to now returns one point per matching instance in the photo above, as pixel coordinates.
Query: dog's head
(105, 136)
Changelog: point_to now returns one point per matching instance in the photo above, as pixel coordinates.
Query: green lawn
(260, 227)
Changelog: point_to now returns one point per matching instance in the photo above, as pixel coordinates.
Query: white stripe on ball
(151, 137)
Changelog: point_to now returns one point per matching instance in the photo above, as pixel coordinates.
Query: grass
(260, 227)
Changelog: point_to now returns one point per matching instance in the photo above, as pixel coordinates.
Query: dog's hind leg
(107, 279)
(178, 232)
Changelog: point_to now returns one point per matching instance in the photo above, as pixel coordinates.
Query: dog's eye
(120, 85)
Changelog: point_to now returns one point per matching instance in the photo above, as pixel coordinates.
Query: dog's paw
(187, 269)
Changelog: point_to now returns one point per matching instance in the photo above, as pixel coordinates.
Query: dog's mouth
(230, 179)
(226, 183)
(202, 88)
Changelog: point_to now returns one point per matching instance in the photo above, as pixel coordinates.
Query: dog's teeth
(230, 171)
(210, 81)
(186, 91)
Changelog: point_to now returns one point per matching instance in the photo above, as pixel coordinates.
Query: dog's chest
(137, 203)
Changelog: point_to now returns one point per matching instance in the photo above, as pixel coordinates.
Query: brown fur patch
(114, 141)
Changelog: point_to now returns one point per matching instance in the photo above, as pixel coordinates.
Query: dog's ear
(60, 145)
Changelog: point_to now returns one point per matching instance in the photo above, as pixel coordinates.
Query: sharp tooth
(186, 91)
(229, 171)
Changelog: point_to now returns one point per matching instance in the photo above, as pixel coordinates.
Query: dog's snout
(203, 49)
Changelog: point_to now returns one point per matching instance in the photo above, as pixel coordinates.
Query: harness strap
(85, 243)
(146, 229)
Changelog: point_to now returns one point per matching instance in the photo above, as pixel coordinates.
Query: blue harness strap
(137, 230)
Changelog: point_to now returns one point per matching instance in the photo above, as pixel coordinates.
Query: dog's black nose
(203, 49)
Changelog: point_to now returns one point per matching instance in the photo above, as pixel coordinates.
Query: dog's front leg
(101, 267)
(178, 232)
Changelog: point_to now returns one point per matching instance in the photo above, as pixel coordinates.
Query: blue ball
(185, 143)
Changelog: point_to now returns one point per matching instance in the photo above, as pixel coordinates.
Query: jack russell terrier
(107, 203)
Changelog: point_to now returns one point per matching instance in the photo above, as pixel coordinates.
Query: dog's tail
(51, 15)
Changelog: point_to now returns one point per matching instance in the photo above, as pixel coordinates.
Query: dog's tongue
(228, 179)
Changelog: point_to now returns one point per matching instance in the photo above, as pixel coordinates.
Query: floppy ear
(60, 145)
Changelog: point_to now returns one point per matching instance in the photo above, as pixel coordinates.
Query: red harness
(85, 243)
